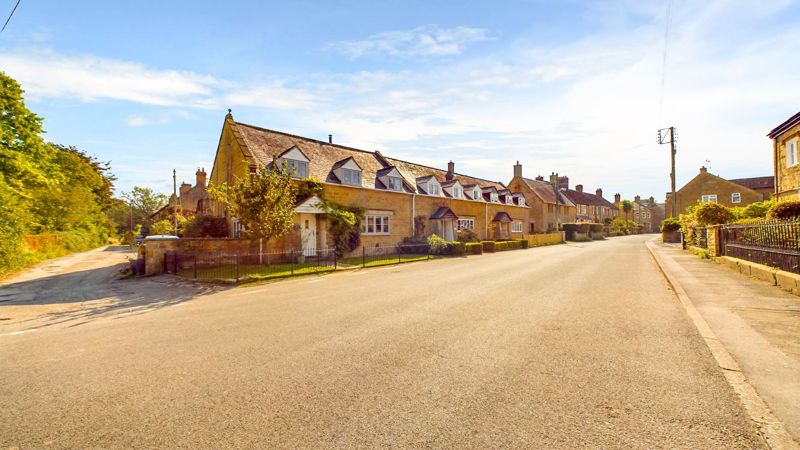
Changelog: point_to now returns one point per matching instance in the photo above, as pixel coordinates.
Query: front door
(308, 234)
(449, 234)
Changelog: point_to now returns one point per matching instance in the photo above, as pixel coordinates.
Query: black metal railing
(775, 244)
(235, 267)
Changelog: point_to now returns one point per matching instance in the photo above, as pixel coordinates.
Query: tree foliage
(627, 206)
(263, 202)
(345, 226)
(710, 213)
(143, 202)
(785, 210)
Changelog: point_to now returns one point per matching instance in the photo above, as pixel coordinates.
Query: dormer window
(294, 162)
(433, 188)
(456, 192)
(351, 177)
(494, 198)
(476, 194)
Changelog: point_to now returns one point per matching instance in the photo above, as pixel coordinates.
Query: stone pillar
(154, 255)
(712, 237)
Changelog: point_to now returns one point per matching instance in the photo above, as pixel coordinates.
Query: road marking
(314, 281)
(21, 332)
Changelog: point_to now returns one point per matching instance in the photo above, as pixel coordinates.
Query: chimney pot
(330, 139)
(200, 177)
(579, 187)
(617, 198)
(540, 178)
(451, 170)
(703, 169)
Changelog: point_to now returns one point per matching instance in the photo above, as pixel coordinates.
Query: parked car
(160, 237)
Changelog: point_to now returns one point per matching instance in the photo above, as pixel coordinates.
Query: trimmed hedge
(488, 246)
(524, 243)
(474, 248)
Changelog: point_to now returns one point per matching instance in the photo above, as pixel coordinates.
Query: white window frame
(394, 184)
(477, 194)
(377, 224)
(456, 192)
(297, 169)
(521, 201)
(708, 198)
(516, 227)
(237, 227)
(351, 177)
(791, 152)
(494, 198)
(736, 197)
(466, 223)
(433, 188)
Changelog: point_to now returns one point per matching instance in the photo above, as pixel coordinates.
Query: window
(516, 227)
(532, 228)
(521, 201)
(494, 198)
(394, 183)
(456, 192)
(376, 224)
(791, 152)
(466, 224)
(709, 198)
(298, 169)
(433, 189)
(736, 197)
(237, 227)
(351, 177)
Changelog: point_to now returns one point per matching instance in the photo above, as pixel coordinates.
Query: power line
(9, 16)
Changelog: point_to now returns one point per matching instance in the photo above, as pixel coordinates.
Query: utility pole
(663, 135)
(175, 206)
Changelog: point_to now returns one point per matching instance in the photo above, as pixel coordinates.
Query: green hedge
(524, 243)
(474, 248)
(488, 246)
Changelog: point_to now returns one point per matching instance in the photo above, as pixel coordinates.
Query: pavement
(756, 322)
(578, 345)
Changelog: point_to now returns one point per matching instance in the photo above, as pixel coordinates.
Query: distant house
(764, 185)
(549, 207)
(190, 201)
(401, 199)
(648, 213)
(590, 207)
(707, 187)
(785, 142)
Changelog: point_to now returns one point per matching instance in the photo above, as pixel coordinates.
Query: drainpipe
(775, 160)
(486, 220)
(413, 214)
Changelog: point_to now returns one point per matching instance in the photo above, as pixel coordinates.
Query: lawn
(255, 271)
(382, 260)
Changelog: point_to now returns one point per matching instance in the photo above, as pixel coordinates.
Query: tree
(143, 203)
(710, 213)
(263, 202)
(627, 206)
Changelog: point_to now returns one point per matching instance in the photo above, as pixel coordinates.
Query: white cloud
(427, 40)
(89, 78)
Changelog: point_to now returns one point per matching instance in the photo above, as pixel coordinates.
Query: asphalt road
(578, 345)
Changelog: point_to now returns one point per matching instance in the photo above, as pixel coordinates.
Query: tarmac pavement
(578, 345)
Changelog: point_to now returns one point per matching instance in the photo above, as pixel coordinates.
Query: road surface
(578, 345)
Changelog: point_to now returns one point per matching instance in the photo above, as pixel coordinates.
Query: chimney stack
(330, 139)
(554, 179)
(200, 177)
(451, 170)
(579, 187)
(617, 198)
(185, 187)
(703, 169)
(563, 182)
(517, 170)
(652, 199)
(539, 178)
(599, 192)
(637, 199)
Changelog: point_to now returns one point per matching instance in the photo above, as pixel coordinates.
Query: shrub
(524, 243)
(753, 210)
(474, 248)
(670, 224)
(206, 226)
(410, 245)
(785, 210)
(712, 214)
(489, 246)
(437, 245)
(465, 235)
(456, 248)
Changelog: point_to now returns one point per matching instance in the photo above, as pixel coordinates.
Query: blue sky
(578, 88)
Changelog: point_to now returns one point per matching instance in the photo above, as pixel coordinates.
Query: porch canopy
(503, 217)
(312, 205)
(444, 213)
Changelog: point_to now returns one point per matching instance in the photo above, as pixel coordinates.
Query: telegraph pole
(175, 207)
(663, 134)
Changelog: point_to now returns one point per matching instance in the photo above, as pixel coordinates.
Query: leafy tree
(143, 202)
(164, 226)
(627, 206)
(785, 210)
(710, 213)
(263, 202)
(670, 224)
(753, 210)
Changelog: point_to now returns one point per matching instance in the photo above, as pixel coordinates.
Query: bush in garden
(437, 245)
(489, 246)
(465, 235)
(785, 210)
(474, 248)
(670, 224)
(712, 214)
(753, 210)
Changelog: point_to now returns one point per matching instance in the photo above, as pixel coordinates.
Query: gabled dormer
(295, 162)
(473, 192)
(429, 185)
(390, 179)
(519, 198)
(348, 172)
(505, 196)
(490, 194)
(453, 188)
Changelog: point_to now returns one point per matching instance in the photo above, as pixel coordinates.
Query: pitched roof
(545, 191)
(777, 131)
(262, 145)
(444, 213)
(756, 182)
(502, 216)
(585, 198)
